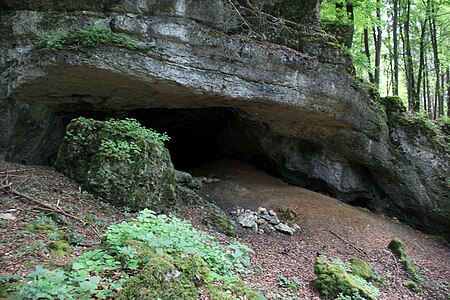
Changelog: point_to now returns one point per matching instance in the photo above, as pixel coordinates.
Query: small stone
(261, 221)
(7, 216)
(283, 228)
(262, 210)
(271, 228)
(266, 217)
(255, 227)
(274, 220)
(272, 213)
(247, 220)
(233, 213)
(260, 231)
(296, 228)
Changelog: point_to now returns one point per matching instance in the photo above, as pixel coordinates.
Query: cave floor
(329, 227)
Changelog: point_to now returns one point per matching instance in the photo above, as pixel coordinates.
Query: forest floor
(329, 227)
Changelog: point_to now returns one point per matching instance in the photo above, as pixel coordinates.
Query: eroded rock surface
(296, 111)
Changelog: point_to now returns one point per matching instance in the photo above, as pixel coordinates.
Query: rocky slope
(197, 70)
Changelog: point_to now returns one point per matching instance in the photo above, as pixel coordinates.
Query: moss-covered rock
(60, 247)
(412, 286)
(120, 161)
(333, 279)
(361, 268)
(167, 278)
(398, 248)
(393, 105)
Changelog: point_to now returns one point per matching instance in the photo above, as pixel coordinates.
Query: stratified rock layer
(296, 112)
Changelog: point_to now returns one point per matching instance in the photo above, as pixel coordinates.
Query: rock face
(296, 112)
(119, 161)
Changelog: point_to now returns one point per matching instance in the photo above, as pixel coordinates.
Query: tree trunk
(437, 96)
(395, 47)
(377, 35)
(448, 92)
(367, 52)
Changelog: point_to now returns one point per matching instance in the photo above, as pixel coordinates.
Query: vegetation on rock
(334, 279)
(398, 248)
(120, 161)
(174, 260)
(89, 37)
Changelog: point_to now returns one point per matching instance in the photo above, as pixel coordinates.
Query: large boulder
(120, 161)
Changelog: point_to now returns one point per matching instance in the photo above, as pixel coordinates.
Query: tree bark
(395, 47)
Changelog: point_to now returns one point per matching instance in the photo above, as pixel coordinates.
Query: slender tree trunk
(367, 52)
(412, 99)
(433, 33)
(448, 92)
(395, 47)
(421, 61)
(377, 35)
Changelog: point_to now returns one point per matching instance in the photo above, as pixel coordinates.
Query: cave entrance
(196, 134)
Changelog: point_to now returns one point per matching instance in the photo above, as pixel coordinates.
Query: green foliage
(168, 234)
(125, 143)
(291, 284)
(89, 37)
(398, 248)
(334, 279)
(164, 248)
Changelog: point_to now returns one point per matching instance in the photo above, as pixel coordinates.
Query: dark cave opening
(202, 135)
(196, 134)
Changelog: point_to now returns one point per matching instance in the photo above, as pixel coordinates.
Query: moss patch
(333, 279)
(287, 214)
(398, 248)
(412, 286)
(60, 247)
(361, 268)
(182, 277)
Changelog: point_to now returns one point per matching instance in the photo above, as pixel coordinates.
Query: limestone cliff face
(296, 112)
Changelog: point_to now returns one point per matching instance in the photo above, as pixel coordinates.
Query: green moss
(220, 220)
(166, 278)
(9, 290)
(361, 268)
(120, 161)
(287, 214)
(398, 248)
(412, 286)
(60, 247)
(393, 104)
(243, 290)
(333, 279)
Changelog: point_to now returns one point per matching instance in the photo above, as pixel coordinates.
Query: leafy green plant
(291, 284)
(127, 248)
(89, 37)
(171, 235)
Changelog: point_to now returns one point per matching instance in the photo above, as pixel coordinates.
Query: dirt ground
(329, 227)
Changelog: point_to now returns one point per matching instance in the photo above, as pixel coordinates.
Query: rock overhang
(283, 99)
